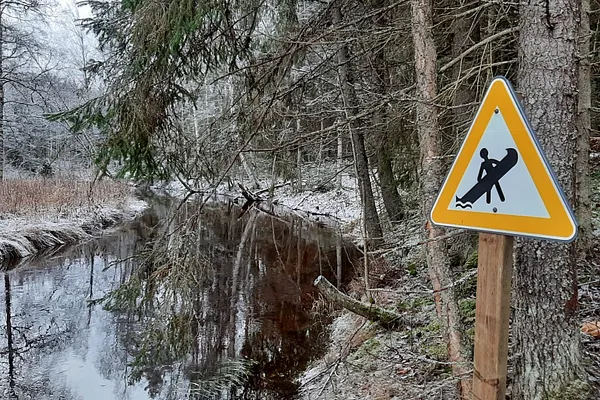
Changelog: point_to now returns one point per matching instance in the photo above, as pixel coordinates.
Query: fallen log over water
(384, 317)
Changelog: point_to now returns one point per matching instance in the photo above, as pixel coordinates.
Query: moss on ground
(472, 260)
(576, 390)
(414, 305)
(467, 310)
(412, 269)
(432, 327)
(369, 348)
(437, 351)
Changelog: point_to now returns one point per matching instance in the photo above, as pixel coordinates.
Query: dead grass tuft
(60, 197)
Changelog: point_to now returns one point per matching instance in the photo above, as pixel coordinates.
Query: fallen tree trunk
(385, 318)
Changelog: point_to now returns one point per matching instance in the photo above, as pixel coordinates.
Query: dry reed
(37, 214)
(60, 197)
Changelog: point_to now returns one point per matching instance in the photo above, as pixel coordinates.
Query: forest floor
(364, 361)
(38, 214)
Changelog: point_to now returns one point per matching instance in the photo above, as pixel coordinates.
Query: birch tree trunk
(545, 285)
(358, 141)
(426, 120)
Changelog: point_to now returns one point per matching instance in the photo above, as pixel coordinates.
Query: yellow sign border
(560, 225)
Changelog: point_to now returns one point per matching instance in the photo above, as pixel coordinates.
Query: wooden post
(494, 273)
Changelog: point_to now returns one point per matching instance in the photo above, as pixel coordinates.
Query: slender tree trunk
(583, 204)
(298, 160)
(426, 120)
(389, 191)
(463, 34)
(2, 156)
(545, 284)
(383, 316)
(340, 155)
(338, 260)
(358, 141)
(381, 83)
(249, 171)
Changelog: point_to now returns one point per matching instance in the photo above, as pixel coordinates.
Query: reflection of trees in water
(46, 316)
(223, 304)
(30, 344)
(217, 307)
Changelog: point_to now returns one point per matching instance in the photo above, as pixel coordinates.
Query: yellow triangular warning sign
(500, 181)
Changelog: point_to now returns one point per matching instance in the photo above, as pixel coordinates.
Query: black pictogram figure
(494, 171)
(488, 166)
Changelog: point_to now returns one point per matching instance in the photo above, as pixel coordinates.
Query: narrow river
(175, 305)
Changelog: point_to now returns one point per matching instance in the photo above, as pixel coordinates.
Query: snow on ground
(342, 205)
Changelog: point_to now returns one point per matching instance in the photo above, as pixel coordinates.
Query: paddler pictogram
(494, 170)
(502, 159)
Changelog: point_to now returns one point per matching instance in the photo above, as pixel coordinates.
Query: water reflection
(207, 306)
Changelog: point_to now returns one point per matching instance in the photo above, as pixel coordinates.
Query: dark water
(208, 306)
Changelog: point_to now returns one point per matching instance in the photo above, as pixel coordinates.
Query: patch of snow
(340, 204)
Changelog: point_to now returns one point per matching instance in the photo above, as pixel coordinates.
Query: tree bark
(389, 191)
(358, 141)
(426, 120)
(462, 39)
(298, 160)
(339, 159)
(545, 284)
(583, 206)
(2, 155)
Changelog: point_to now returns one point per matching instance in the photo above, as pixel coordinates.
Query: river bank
(365, 361)
(39, 214)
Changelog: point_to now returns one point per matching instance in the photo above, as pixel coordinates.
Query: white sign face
(514, 193)
(500, 181)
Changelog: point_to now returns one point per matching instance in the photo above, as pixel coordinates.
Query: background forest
(310, 95)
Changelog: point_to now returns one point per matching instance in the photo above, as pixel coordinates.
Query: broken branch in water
(250, 197)
(384, 317)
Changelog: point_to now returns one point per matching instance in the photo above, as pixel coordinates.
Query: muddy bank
(22, 237)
